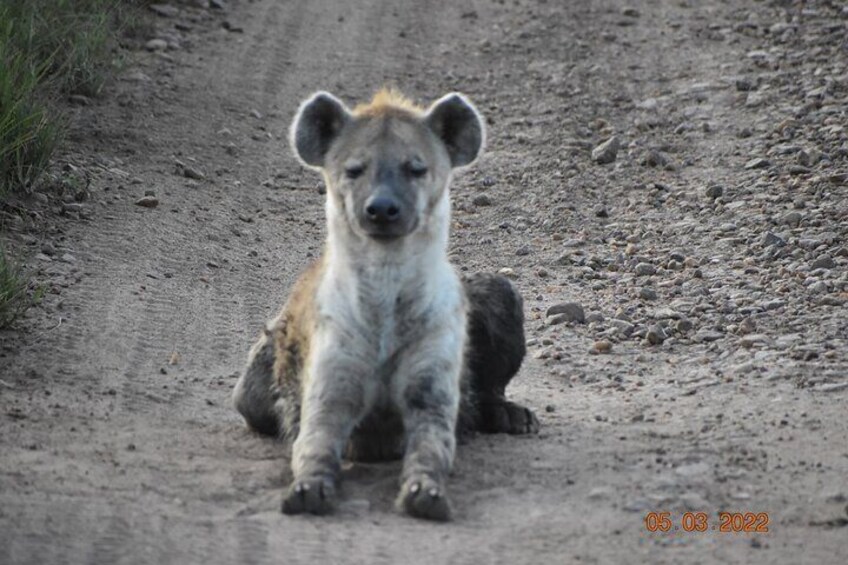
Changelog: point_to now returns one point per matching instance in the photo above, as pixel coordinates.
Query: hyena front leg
(430, 404)
(335, 397)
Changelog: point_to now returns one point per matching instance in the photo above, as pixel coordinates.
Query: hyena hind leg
(496, 350)
(256, 395)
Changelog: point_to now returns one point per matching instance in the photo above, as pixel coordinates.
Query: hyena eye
(417, 168)
(354, 170)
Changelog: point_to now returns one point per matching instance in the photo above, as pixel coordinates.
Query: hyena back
(381, 351)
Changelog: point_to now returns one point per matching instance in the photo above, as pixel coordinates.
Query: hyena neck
(390, 267)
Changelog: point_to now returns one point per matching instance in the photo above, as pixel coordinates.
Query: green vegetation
(48, 49)
(13, 291)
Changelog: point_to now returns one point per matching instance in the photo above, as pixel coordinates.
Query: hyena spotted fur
(382, 351)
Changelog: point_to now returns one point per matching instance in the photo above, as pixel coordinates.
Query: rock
(819, 287)
(74, 207)
(654, 158)
(48, 249)
(646, 293)
(757, 163)
(217, 4)
(645, 269)
(571, 312)
(156, 45)
(482, 200)
(191, 173)
(67, 258)
(594, 317)
(147, 202)
(630, 12)
(523, 250)
(655, 335)
(745, 84)
(601, 346)
(823, 262)
(770, 239)
(623, 327)
(164, 10)
(799, 170)
(508, 273)
(606, 152)
(707, 336)
(684, 325)
(714, 191)
(601, 212)
(791, 218)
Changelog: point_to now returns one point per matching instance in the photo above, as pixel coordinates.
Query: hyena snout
(386, 214)
(382, 210)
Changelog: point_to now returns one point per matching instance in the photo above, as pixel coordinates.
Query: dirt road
(723, 389)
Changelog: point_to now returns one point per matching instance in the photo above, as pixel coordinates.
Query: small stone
(601, 346)
(147, 202)
(646, 293)
(744, 84)
(164, 10)
(791, 218)
(823, 262)
(508, 273)
(68, 258)
(645, 269)
(192, 173)
(571, 312)
(655, 335)
(714, 191)
(48, 249)
(683, 325)
(623, 327)
(606, 152)
(523, 250)
(770, 239)
(757, 163)
(819, 287)
(601, 212)
(594, 317)
(217, 4)
(630, 12)
(482, 200)
(156, 45)
(708, 336)
(799, 170)
(550, 408)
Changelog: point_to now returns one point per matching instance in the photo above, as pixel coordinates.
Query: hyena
(382, 351)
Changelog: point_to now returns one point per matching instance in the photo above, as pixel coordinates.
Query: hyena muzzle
(382, 351)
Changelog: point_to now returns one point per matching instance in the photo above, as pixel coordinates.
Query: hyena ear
(455, 121)
(316, 125)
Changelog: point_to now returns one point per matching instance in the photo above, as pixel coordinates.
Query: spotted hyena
(382, 351)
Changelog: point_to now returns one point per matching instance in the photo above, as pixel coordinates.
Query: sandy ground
(724, 385)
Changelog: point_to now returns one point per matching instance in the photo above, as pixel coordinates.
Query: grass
(49, 49)
(14, 299)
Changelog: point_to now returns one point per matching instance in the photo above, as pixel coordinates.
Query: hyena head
(387, 164)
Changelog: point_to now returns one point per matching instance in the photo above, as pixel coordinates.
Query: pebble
(655, 335)
(570, 312)
(623, 327)
(791, 218)
(147, 202)
(601, 346)
(68, 258)
(714, 191)
(607, 151)
(48, 249)
(684, 325)
(770, 239)
(823, 262)
(523, 250)
(164, 10)
(708, 336)
(757, 163)
(482, 200)
(191, 173)
(156, 45)
(646, 293)
(645, 269)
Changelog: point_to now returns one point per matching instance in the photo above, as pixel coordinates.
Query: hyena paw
(314, 495)
(422, 497)
(507, 417)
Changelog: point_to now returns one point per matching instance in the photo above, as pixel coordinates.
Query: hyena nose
(382, 210)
